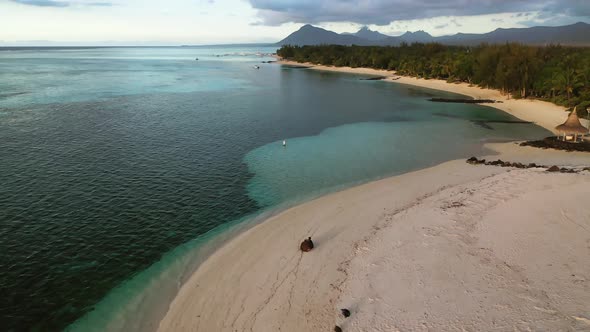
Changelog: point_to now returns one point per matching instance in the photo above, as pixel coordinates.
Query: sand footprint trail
(464, 258)
(451, 248)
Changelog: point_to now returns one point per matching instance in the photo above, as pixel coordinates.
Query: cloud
(382, 12)
(579, 8)
(454, 21)
(54, 3)
(558, 12)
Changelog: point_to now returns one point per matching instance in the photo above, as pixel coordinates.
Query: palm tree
(554, 83)
(567, 81)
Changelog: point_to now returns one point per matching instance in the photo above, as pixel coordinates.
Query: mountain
(573, 35)
(416, 37)
(368, 34)
(408, 37)
(310, 35)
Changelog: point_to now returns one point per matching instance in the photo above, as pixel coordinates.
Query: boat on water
(256, 67)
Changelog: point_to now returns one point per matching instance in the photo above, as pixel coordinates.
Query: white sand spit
(455, 247)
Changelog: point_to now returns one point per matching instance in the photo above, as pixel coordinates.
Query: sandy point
(455, 247)
(452, 247)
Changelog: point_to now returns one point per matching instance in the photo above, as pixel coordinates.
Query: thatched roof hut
(572, 126)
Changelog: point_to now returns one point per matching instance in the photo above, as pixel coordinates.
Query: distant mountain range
(575, 35)
(368, 34)
(310, 35)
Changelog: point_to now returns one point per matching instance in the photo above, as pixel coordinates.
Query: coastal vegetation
(554, 73)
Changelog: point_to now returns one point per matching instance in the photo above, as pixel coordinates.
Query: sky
(176, 22)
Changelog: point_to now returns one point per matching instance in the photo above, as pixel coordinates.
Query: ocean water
(122, 168)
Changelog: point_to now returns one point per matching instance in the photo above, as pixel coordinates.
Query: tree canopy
(555, 73)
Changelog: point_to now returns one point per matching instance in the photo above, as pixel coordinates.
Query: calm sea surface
(117, 165)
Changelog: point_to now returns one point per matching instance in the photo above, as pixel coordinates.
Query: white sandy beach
(455, 247)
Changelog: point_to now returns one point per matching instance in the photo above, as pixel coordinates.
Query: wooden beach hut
(572, 128)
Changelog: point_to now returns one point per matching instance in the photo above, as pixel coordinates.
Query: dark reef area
(554, 143)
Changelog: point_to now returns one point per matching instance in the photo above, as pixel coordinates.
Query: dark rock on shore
(345, 312)
(475, 161)
(463, 101)
(499, 162)
(306, 245)
(337, 329)
(554, 143)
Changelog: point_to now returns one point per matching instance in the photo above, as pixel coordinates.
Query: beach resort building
(572, 129)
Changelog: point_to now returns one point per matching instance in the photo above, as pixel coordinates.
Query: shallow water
(115, 163)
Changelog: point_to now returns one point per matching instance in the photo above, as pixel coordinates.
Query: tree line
(555, 73)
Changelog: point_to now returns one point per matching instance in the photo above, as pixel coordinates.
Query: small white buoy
(284, 143)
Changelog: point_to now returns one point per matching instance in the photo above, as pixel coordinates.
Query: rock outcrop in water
(378, 78)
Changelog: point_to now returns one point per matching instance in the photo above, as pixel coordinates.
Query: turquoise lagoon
(121, 169)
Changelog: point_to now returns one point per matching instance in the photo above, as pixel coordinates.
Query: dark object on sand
(463, 101)
(557, 144)
(568, 170)
(500, 163)
(345, 312)
(519, 165)
(306, 245)
(475, 161)
(337, 329)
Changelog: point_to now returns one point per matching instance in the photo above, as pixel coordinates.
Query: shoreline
(542, 113)
(260, 281)
(171, 273)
